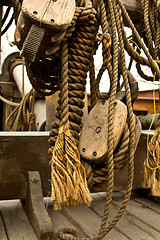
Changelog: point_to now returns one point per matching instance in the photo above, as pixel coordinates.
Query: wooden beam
(20, 153)
(28, 151)
(35, 208)
(130, 5)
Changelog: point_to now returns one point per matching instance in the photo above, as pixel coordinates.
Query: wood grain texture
(18, 155)
(129, 225)
(35, 208)
(3, 235)
(16, 223)
(89, 220)
(93, 144)
(143, 214)
(132, 5)
(56, 14)
(129, 4)
(140, 220)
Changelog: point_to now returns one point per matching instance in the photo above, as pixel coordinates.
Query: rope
(70, 175)
(69, 185)
(101, 175)
(152, 163)
(9, 102)
(43, 81)
(93, 89)
(23, 117)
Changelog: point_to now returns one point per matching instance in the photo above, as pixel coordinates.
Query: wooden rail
(133, 6)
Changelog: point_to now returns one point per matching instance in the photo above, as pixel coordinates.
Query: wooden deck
(140, 221)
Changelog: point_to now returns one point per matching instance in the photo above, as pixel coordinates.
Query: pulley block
(93, 142)
(42, 25)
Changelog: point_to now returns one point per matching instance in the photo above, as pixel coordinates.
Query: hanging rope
(71, 176)
(23, 117)
(69, 185)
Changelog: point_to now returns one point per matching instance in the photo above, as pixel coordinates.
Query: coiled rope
(76, 58)
(23, 117)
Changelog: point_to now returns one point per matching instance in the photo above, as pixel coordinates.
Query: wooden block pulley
(41, 26)
(93, 143)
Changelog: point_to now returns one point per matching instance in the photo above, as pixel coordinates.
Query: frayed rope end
(68, 177)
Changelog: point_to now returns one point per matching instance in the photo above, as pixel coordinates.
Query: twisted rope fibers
(110, 61)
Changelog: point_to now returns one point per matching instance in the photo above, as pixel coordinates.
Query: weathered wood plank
(89, 221)
(129, 225)
(132, 5)
(146, 203)
(57, 14)
(15, 164)
(59, 221)
(93, 144)
(35, 208)
(16, 222)
(18, 155)
(143, 214)
(3, 235)
(121, 177)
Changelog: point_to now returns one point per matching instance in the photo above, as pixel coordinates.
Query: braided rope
(93, 89)
(76, 56)
(147, 27)
(70, 188)
(110, 126)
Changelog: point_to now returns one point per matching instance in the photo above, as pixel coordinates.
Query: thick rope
(77, 52)
(101, 175)
(65, 156)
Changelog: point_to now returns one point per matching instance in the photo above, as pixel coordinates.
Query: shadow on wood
(35, 208)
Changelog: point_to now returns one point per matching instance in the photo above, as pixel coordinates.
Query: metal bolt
(98, 129)
(52, 20)
(34, 180)
(35, 12)
(94, 154)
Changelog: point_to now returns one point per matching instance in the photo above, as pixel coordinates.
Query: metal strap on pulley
(41, 26)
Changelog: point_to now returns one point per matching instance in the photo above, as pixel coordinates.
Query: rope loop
(75, 58)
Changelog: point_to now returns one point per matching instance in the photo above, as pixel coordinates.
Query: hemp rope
(100, 175)
(77, 192)
(114, 83)
(23, 117)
